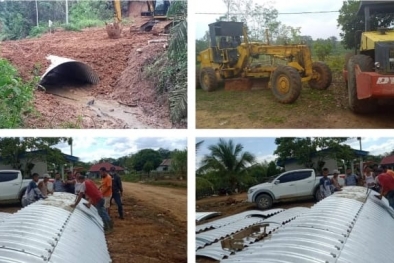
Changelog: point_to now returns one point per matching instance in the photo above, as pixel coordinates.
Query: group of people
(100, 197)
(378, 179)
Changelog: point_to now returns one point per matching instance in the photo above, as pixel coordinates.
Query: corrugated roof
(4, 215)
(50, 231)
(200, 216)
(234, 218)
(69, 68)
(166, 162)
(337, 229)
(96, 167)
(387, 160)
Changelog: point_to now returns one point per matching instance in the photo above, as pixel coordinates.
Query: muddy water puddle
(100, 108)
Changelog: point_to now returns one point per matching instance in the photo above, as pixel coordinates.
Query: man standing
(386, 182)
(32, 193)
(117, 190)
(334, 181)
(325, 184)
(106, 187)
(58, 184)
(350, 179)
(95, 198)
(70, 183)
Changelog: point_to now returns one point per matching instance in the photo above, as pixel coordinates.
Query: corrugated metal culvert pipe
(51, 231)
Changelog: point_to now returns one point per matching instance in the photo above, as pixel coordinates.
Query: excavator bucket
(114, 30)
(238, 84)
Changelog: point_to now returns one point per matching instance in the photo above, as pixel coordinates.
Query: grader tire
(208, 79)
(198, 84)
(324, 76)
(286, 84)
(363, 106)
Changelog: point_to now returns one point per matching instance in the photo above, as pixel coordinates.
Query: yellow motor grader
(231, 58)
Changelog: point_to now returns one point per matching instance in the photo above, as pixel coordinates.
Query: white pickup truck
(12, 186)
(290, 185)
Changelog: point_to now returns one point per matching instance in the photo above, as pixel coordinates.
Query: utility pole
(36, 13)
(361, 158)
(66, 14)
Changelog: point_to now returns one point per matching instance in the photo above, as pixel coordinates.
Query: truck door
(305, 182)
(10, 185)
(285, 186)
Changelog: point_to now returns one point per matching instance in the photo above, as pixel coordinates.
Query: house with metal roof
(164, 166)
(94, 170)
(388, 161)
(329, 160)
(39, 165)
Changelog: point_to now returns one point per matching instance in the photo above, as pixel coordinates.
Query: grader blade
(238, 84)
(114, 30)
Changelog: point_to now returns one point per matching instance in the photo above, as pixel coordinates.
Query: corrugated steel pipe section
(50, 231)
(68, 71)
(337, 229)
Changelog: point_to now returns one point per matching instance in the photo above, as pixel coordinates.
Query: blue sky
(263, 148)
(95, 148)
(315, 25)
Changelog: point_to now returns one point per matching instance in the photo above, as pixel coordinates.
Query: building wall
(331, 164)
(39, 167)
(163, 168)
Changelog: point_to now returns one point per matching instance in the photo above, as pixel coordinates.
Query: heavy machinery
(146, 15)
(369, 73)
(232, 58)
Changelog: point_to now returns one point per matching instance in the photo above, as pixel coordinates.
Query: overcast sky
(315, 25)
(263, 148)
(91, 149)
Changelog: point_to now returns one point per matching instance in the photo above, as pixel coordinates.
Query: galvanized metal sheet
(234, 218)
(4, 215)
(82, 71)
(352, 217)
(200, 216)
(50, 231)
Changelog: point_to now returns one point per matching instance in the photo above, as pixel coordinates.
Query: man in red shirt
(88, 188)
(386, 182)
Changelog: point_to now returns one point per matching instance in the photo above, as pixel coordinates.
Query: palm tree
(198, 145)
(228, 161)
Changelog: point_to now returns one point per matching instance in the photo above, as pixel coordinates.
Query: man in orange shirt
(106, 187)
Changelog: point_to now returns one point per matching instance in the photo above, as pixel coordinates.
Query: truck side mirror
(276, 182)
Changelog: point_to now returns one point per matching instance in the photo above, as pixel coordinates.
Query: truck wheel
(366, 65)
(264, 201)
(323, 74)
(208, 79)
(317, 195)
(198, 86)
(286, 84)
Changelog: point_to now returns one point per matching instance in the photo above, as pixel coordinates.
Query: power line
(290, 13)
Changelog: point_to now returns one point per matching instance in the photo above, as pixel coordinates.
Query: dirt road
(154, 228)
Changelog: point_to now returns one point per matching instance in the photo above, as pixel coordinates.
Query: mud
(109, 58)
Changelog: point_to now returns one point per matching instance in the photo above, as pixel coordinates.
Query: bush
(38, 31)
(203, 188)
(71, 27)
(336, 63)
(15, 95)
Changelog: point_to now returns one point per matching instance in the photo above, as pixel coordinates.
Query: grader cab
(231, 58)
(369, 73)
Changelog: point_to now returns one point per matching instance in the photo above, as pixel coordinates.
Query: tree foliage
(14, 149)
(349, 22)
(228, 161)
(303, 150)
(148, 167)
(146, 155)
(179, 162)
(323, 48)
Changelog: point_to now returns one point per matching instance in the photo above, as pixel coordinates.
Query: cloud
(266, 158)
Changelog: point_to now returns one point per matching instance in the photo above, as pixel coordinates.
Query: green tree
(323, 48)
(305, 149)
(228, 161)
(179, 162)
(148, 167)
(349, 22)
(143, 156)
(13, 149)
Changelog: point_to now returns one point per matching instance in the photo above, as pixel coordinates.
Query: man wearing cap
(117, 190)
(88, 188)
(325, 184)
(43, 186)
(334, 181)
(32, 193)
(106, 187)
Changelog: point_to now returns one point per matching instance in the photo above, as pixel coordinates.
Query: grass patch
(172, 184)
